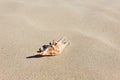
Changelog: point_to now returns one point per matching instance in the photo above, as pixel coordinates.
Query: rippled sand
(93, 28)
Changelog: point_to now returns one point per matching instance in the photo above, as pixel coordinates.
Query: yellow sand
(92, 26)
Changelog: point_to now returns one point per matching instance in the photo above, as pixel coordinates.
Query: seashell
(54, 48)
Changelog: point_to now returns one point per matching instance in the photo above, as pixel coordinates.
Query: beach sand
(93, 28)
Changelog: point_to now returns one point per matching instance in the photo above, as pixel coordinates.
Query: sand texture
(92, 26)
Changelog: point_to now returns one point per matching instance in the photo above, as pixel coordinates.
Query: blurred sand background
(92, 26)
